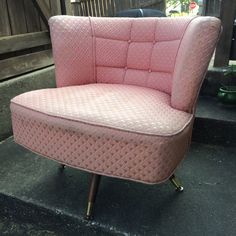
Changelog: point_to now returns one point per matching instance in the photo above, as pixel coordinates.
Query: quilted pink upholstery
(116, 130)
(125, 96)
(170, 55)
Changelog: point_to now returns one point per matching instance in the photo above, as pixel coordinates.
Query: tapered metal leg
(95, 180)
(176, 183)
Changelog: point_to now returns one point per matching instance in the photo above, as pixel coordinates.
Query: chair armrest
(195, 52)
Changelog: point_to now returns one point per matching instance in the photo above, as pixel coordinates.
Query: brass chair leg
(95, 180)
(176, 183)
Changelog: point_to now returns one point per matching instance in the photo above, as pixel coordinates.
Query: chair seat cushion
(112, 129)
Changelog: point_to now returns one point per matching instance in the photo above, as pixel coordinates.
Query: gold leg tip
(180, 189)
(89, 211)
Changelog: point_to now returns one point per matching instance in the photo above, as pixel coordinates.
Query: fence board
(43, 7)
(4, 19)
(55, 7)
(31, 16)
(22, 64)
(102, 7)
(17, 17)
(98, 11)
(23, 41)
(110, 7)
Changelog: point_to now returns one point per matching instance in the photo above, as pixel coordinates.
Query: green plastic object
(227, 95)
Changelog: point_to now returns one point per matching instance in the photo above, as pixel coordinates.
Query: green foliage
(174, 2)
(231, 71)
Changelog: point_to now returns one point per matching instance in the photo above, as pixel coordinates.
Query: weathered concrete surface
(215, 122)
(43, 78)
(33, 189)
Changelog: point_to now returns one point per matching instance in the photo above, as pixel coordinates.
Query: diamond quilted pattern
(128, 88)
(192, 61)
(124, 107)
(111, 53)
(72, 46)
(139, 56)
(100, 149)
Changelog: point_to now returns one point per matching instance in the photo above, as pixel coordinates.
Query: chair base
(94, 185)
(176, 183)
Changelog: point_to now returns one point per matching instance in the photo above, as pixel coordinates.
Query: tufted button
(129, 41)
(126, 68)
(149, 70)
(154, 41)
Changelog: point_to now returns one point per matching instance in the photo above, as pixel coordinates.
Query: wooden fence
(110, 7)
(20, 16)
(24, 38)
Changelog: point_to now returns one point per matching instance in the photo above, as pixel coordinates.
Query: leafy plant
(230, 75)
(231, 71)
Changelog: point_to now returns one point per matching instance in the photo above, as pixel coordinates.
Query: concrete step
(215, 122)
(34, 190)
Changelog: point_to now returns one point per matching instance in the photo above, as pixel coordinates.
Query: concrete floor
(35, 192)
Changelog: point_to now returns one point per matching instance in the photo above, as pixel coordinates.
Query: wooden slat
(43, 8)
(66, 7)
(98, 8)
(23, 41)
(31, 16)
(78, 9)
(110, 8)
(75, 8)
(17, 17)
(23, 64)
(106, 7)
(4, 19)
(55, 7)
(102, 7)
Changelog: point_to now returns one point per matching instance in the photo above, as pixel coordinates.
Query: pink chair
(125, 98)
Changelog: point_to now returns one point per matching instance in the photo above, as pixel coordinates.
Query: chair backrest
(167, 54)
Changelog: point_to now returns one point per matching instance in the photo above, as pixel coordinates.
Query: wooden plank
(17, 17)
(227, 15)
(55, 7)
(23, 41)
(75, 8)
(98, 8)
(110, 8)
(84, 9)
(43, 8)
(87, 8)
(66, 8)
(102, 5)
(92, 9)
(105, 7)
(26, 63)
(79, 9)
(31, 16)
(5, 28)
